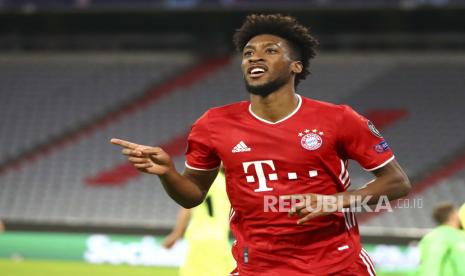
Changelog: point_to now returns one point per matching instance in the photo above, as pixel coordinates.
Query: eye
(271, 50)
(247, 53)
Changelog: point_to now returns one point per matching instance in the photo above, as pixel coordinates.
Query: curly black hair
(301, 42)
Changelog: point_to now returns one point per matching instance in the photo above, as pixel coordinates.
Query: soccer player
(442, 251)
(279, 144)
(207, 234)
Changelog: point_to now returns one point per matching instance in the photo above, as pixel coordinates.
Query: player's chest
(299, 144)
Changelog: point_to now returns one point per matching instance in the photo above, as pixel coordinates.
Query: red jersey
(306, 152)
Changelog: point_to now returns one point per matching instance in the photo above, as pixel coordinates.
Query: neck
(451, 224)
(276, 105)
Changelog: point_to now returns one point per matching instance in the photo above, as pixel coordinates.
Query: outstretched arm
(188, 189)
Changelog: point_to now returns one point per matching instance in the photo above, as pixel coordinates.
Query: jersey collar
(283, 119)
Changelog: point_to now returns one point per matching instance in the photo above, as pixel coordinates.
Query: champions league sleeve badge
(381, 147)
(373, 130)
(311, 140)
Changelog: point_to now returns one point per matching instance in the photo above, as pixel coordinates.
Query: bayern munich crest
(311, 140)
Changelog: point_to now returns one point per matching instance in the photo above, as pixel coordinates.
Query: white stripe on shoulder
(199, 169)
(380, 166)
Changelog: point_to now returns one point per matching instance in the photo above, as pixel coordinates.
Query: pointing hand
(146, 159)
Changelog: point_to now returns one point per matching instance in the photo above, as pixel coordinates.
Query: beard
(266, 88)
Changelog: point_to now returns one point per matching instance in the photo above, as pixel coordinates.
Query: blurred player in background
(207, 234)
(462, 216)
(276, 145)
(442, 251)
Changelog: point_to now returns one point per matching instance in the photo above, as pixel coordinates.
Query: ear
(297, 67)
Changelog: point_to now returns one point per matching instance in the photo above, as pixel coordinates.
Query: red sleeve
(362, 142)
(200, 154)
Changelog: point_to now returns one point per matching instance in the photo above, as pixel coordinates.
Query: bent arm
(190, 188)
(391, 181)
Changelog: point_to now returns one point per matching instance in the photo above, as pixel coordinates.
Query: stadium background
(75, 73)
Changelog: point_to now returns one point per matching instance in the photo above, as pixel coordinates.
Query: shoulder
(325, 109)
(436, 236)
(227, 110)
(324, 106)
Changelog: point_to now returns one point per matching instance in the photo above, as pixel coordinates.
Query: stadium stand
(77, 185)
(432, 98)
(57, 93)
(226, 86)
(451, 189)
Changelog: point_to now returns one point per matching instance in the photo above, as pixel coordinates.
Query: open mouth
(256, 71)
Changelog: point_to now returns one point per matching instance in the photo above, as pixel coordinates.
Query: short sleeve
(362, 142)
(200, 154)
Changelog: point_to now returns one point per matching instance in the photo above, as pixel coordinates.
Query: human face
(267, 64)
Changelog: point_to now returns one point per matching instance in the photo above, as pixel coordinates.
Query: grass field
(56, 268)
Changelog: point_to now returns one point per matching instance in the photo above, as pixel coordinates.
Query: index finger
(123, 143)
(309, 217)
(296, 209)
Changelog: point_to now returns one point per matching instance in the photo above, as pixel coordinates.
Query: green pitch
(51, 268)
(57, 268)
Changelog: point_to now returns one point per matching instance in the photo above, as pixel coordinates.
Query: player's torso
(297, 155)
(266, 162)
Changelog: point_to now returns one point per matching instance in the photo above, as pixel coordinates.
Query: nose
(255, 58)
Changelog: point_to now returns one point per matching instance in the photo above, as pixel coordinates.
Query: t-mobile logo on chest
(263, 178)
